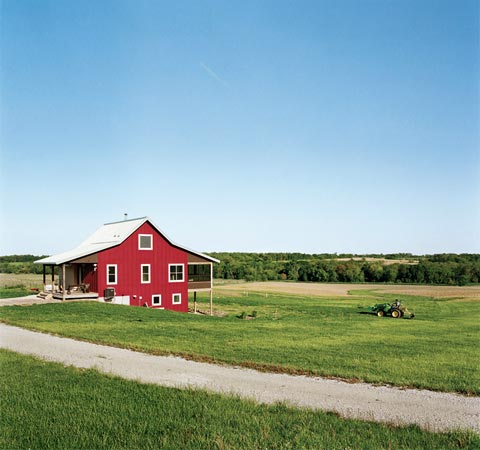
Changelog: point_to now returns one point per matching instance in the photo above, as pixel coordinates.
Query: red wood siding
(90, 277)
(129, 259)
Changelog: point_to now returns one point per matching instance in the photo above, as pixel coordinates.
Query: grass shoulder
(90, 410)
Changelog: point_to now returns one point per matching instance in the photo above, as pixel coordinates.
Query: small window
(145, 273)
(145, 242)
(176, 299)
(111, 274)
(156, 300)
(176, 272)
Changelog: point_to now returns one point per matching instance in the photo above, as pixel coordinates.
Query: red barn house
(131, 262)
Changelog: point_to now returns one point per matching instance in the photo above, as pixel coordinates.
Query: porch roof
(108, 236)
(71, 255)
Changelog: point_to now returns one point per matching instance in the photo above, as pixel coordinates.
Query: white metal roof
(108, 236)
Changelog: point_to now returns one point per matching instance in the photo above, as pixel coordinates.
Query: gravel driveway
(434, 411)
(26, 301)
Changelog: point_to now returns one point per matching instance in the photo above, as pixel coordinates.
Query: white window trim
(157, 304)
(151, 242)
(149, 274)
(183, 273)
(173, 299)
(116, 274)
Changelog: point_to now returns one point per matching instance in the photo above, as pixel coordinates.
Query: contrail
(213, 74)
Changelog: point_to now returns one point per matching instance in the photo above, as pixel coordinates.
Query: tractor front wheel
(380, 313)
(396, 313)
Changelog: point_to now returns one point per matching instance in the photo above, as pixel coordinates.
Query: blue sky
(311, 126)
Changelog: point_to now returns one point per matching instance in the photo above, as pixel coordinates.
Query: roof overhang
(72, 255)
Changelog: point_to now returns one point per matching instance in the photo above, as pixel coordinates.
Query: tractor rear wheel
(396, 313)
(381, 313)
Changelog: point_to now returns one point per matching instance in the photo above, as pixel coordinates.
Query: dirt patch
(472, 292)
(342, 289)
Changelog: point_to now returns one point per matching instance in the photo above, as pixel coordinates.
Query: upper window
(145, 242)
(111, 274)
(176, 272)
(145, 273)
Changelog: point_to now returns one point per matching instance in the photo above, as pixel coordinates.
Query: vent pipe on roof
(125, 216)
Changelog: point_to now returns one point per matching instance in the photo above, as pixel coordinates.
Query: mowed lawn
(438, 349)
(47, 406)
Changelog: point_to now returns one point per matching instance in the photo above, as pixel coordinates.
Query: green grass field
(47, 406)
(15, 291)
(322, 336)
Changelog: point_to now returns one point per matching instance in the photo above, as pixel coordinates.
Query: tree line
(20, 264)
(449, 269)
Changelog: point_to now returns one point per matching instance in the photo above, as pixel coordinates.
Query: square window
(145, 242)
(176, 272)
(145, 273)
(176, 299)
(111, 274)
(156, 300)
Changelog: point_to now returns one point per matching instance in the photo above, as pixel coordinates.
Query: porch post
(211, 289)
(195, 302)
(53, 278)
(63, 282)
(44, 278)
(211, 302)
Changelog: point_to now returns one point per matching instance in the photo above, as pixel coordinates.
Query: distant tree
(390, 273)
(291, 269)
(372, 271)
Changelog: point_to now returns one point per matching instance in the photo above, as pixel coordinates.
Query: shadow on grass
(368, 313)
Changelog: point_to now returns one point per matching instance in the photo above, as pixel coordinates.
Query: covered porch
(76, 279)
(200, 278)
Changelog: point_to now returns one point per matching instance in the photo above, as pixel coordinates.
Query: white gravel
(434, 411)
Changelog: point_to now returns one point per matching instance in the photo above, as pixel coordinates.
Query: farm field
(343, 289)
(94, 411)
(384, 261)
(29, 280)
(325, 336)
(19, 285)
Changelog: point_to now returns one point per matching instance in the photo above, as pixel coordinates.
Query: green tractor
(395, 310)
